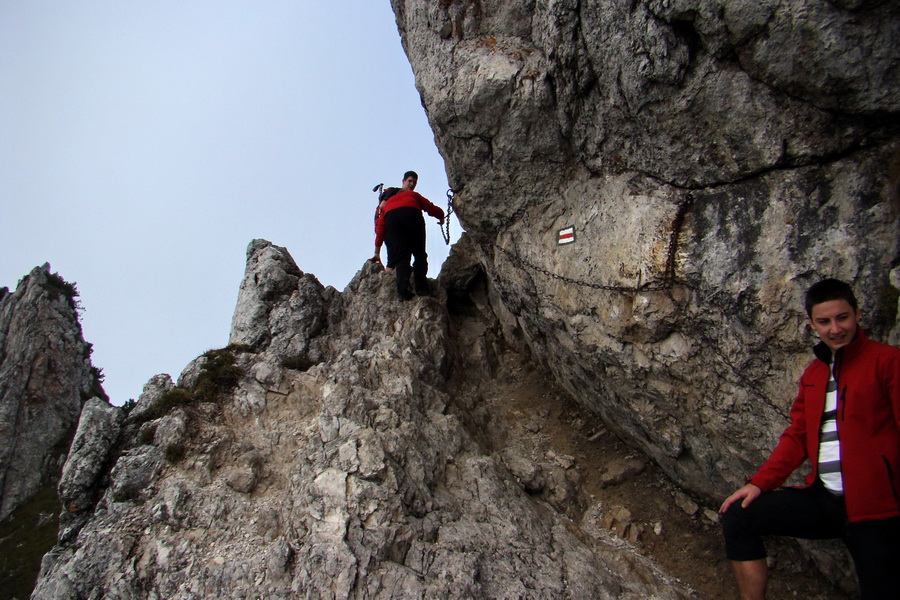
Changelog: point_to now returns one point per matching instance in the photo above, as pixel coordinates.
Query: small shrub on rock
(218, 375)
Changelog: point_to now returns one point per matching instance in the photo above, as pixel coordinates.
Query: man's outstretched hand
(746, 494)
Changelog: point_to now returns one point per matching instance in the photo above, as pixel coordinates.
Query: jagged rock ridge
(330, 467)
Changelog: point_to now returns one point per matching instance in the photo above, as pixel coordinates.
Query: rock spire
(45, 378)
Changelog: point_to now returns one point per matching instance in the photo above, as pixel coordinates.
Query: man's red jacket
(868, 421)
(401, 199)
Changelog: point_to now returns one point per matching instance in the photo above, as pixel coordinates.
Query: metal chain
(666, 283)
(650, 286)
(445, 228)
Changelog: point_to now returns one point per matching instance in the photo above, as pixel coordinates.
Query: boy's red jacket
(401, 199)
(868, 420)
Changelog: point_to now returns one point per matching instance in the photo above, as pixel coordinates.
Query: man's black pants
(405, 231)
(814, 513)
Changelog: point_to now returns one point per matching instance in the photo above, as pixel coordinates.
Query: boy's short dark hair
(409, 174)
(828, 290)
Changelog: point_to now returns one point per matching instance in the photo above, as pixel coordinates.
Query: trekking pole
(377, 189)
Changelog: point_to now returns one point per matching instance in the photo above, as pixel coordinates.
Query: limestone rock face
(714, 158)
(261, 321)
(98, 431)
(45, 377)
(346, 476)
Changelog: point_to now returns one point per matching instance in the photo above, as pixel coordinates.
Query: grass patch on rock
(218, 376)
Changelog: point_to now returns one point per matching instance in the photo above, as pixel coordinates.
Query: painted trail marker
(565, 236)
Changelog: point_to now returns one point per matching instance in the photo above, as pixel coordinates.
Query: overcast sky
(144, 145)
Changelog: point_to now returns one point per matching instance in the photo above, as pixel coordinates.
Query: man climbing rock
(846, 421)
(402, 226)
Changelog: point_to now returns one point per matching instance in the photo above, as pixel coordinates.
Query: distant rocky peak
(46, 375)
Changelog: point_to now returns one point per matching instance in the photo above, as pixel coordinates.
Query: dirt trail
(516, 410)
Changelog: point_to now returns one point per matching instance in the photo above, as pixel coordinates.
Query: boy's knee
(742, 543)
(733, 518)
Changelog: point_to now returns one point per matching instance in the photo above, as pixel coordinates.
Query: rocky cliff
(713, 158)
(327, 453)
(45, 378)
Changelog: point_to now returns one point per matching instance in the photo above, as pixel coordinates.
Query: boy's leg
(875, 548)
(751, 577)
(810, 513)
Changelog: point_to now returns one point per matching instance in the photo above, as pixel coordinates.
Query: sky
(144, 145)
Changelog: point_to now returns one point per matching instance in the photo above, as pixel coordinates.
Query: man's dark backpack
(384, 195)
